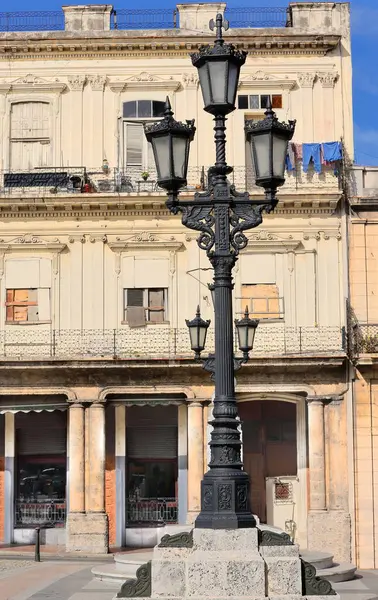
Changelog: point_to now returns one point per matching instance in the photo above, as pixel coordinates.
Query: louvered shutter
(152, 432)
(135, 297)
(134, 138)
(41, 433)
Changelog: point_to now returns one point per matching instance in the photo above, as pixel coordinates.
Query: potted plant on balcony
(145, 175)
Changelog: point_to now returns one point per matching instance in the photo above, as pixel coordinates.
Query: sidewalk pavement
(22, 579)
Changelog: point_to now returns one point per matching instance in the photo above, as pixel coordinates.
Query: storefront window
(41, 478)
(152, 492)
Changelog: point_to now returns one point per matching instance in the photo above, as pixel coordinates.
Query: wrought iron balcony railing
(365, 337)
(159, 341)
(48, 181)
(159, 18)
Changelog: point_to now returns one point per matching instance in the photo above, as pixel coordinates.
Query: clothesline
(326, 153)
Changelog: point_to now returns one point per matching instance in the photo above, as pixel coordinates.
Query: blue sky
(364, 49)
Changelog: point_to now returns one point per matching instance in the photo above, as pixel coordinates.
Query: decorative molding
(322, 235)
(31, 83)
(260, 79)
(328, 80)
(190, 80)
(97, 82)
(313, 585)
(146, 241)
(264, 240)
(178, 540)
(306, 80)
(139, 587)
(273, 538)
(27, 240)
(117, 85)
(77, 82)
(146, 80)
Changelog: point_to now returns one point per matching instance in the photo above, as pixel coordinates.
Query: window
(263, 301)
(137, 153)
(23, 306)
(145, 305)
(259, 101)
(143, 109)
(30, 137)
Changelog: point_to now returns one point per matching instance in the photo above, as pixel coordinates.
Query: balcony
(64, 181)
(160, 341)
(366, 338)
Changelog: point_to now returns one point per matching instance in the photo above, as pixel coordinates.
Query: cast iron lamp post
(221, 215)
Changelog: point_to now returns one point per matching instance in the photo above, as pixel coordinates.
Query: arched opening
(269, 453)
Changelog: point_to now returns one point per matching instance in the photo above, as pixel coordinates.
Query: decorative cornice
(145, 241)
(31, 83)
(61, 206)
(97, 82)
(29, 240)
(151, 82)
(110, 46)
(328, 80)
(264, 240)
(117, 85)
(260, 79)
(77, 82)
(306, 80)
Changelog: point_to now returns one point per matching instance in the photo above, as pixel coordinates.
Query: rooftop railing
(144, 19)
(159, 341)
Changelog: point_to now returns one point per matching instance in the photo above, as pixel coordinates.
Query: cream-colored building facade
(104, 412)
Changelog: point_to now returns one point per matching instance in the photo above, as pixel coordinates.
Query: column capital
(75, 405)
(97, 404)
(318, 400)
(329, 399)
(195, 403)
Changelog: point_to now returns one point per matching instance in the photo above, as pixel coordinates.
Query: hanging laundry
(290, 151)
(290, 166)
(311, 152)
(332, 151)
(297, 150)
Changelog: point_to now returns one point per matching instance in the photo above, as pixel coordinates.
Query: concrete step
(124, 567)
(125, 561)
(320, 560)
(338, 572)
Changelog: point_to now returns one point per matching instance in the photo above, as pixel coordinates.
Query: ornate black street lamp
(221, 215)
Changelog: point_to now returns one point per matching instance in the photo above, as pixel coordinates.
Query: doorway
(269, 446)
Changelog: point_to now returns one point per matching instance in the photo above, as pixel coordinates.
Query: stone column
(316, 447)
(182, 453)
(120, 465)
(76, 489)
(96, 500)
(195, 458)
(76, 447)
(96, 539)
(9, 476)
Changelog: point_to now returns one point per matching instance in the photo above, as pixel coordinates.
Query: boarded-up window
(30, 135)
(153, 301)
(24, 305)
(263, 301)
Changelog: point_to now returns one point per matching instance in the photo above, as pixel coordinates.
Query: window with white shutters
(30, 135)
(137, 152)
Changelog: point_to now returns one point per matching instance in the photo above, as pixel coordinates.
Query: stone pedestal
(227, 565)
(87, 533)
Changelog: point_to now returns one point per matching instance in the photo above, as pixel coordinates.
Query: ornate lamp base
(225, 501)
